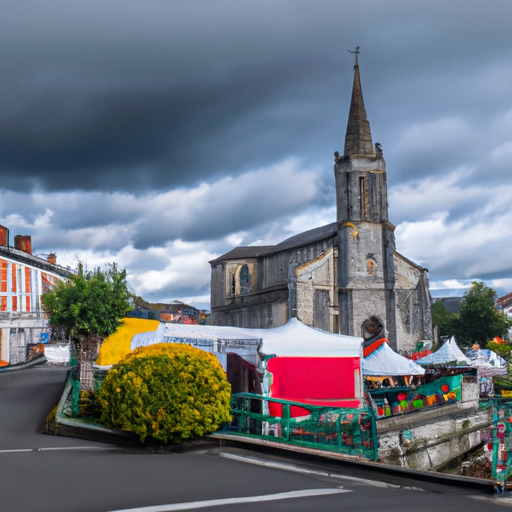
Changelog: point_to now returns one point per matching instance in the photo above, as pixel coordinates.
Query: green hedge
(167, 391)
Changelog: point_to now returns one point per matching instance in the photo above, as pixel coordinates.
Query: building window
(245, 280)
(28, 290)
(3, 285)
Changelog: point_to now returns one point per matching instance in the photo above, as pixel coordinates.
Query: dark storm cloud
(160, 134)
(175, 94)
(147, 136)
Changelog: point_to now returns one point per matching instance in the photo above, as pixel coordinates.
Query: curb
(378, 469)
(68, 427)
(21, 366)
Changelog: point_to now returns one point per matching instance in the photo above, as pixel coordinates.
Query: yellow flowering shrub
(167, 391)
(118, 345)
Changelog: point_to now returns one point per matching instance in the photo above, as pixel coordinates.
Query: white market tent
(448, 353)
(386, 362)
(291, 339)
(485, 358)
(59, 353)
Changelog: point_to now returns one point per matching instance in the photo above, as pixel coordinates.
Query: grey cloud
(169, 293)
(229, 206)
(94, 124)
(167, 95)
(149, 136)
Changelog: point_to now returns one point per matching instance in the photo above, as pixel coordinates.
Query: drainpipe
(292, 302)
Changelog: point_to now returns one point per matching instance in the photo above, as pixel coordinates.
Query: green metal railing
(80, 404)
(502, 440)
(342, 430)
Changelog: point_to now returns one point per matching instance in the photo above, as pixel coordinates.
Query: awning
(448, 353)
(385, 361)
(291, 339)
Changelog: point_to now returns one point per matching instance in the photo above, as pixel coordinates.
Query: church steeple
(358, 139)
(366, 240)
(361, 192)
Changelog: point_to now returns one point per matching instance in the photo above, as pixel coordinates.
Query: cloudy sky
(160, 134)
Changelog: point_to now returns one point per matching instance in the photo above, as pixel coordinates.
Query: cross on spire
(356, 53)
(358, 139)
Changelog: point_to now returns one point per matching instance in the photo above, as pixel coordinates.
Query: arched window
(245, 280)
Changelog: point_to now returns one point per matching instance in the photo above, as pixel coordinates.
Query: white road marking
(297, 469)
(233, 501)
(73, 448)
(17, 450)
(55, 448)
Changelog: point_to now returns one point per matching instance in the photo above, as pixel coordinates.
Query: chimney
(4, 236)
(23, 243)
(52, 258)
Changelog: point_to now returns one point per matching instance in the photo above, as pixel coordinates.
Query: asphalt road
(47, 473)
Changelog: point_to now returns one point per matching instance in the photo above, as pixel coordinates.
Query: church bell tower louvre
(366, 276)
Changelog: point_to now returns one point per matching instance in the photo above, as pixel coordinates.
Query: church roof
(358, 139)
(306, 238)
(255, 251)
(242, 252)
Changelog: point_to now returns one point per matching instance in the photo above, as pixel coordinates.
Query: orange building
(23, 279)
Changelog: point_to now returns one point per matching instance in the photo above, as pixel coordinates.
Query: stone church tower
(366, 295)
(345, 277)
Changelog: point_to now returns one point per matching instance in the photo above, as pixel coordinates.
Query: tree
(479, 321)
(504, 350)
(88, 307)
(443, 319)
(168, 391)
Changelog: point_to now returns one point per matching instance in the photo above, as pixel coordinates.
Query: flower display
(167, 391)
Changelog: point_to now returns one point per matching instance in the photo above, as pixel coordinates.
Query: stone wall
(257, 311)
(429, 438)
(413, 304)
(279, 288)
(18, 330)
(316, 292)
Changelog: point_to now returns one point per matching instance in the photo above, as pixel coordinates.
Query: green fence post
(338, 432)
(285, 422)
(75, 396)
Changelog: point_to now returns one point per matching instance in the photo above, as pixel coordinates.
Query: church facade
(346, 277)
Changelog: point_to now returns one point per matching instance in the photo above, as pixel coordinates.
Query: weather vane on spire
(356, 52)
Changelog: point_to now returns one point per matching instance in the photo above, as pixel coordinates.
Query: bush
(167, 391)
(502, 383)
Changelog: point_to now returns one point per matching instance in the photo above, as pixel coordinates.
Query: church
(345, 277)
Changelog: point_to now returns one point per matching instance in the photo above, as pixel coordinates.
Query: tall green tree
(479, 320)
(87, 308)
(443, 319)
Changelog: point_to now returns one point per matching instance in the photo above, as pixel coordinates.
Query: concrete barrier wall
(429, 439)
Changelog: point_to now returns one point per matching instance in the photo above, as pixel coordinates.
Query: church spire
(358, 139)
